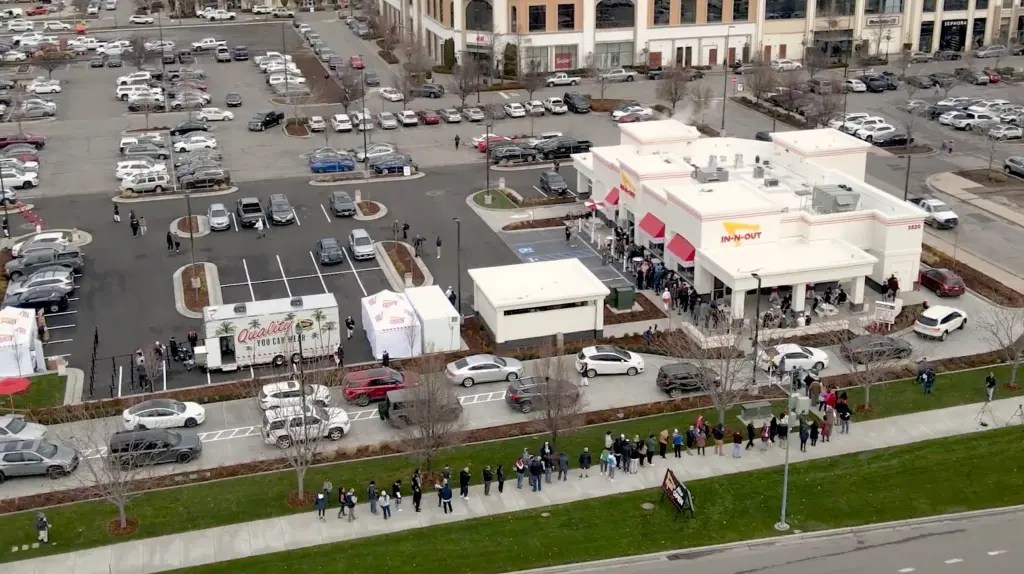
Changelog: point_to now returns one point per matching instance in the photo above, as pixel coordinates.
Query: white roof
(430, 303)
(787, 256)
(16, 327)
(822, 141)
(734, 196)
(270, 306)
(659, 131)
(541, 283)
(389, 311)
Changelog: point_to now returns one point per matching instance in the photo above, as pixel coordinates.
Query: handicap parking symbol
(525, 250)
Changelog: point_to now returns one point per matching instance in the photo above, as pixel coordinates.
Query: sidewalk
(303, 530)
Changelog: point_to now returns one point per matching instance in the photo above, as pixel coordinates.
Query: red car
(631, 118)
(33, 140)
(23, 156)
(356, 63)
(484, 143)
(429, 118)
(943, 282)
(993, 76)
(37, 11)
(361, 387)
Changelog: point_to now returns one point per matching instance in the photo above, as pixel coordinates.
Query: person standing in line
(663, 443)
(396, 494)
(805, 434)
(666, 300)
(603, 459)
(170, 241)
(464, 483)
(751, 434)
(142, 225)
(350, 326)
(701, 442)
(385, 504)
(549, 467)
(612, 463)
(339, 356)
(563, 466)
(773, 429)
(500, 475)
(42, 528)
(990, 386)
(536, 469)
(677, 443)
(320, 502)
(341, 501)
(719, 435)
(625, 458)
(488, 478)
(814, 433)
(385, 360)
(765, 437)
(117, 214)
(585, 463)
(260, 230)
(372, 495)
(691, 440)
(351, 503)
(845, 415)
(520, 472)
(417, 495)
(826, 426)
(446, 497)
(651, 443)
(438, 246)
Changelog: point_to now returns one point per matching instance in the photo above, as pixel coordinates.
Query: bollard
(39, 228)
(501, 183)
(359, 196)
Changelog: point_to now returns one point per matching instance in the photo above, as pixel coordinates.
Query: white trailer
(267, 332)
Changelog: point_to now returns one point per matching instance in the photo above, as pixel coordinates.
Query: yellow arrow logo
(736, 231)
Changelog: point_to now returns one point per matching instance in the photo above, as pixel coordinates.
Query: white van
(111, 5)
(9, 13)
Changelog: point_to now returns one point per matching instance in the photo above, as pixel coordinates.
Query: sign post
(676, 492)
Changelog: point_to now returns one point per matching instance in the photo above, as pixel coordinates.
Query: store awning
(682, 249)
(613, 196)
(652, 226)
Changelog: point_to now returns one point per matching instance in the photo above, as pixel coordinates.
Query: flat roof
(269, 306)
(819, 141)
(793, 255)
(659, 131)
(540, 283)
(429, 302)
(654, 165)
(720, 197)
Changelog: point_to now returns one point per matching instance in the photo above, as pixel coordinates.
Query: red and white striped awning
(594, 205)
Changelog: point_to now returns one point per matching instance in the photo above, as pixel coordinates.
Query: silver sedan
(219, 218)
(15, 428)
(483, 369)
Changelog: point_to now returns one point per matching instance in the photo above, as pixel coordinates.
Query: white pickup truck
(561, 79)
(618, 75)
(261, 9)
(208, 44)
(939, 215)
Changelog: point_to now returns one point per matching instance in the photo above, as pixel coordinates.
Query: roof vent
(296, 302)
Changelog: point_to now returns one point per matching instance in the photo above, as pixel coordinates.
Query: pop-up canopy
(391, 325)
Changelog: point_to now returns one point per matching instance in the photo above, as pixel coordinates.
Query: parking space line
(317, 267)
(283, 275)
(59, 341)
(324, 209)
(354, 272)
(49, 328)
(334, 273)
(540, 191)
(248, 280)
(234, 222)
(72, 298)
(296, 216)
(61, 314)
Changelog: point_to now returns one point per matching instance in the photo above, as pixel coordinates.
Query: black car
(186, 57)
(576, 102)
(233, 100)
(947, 55)
(867, 349)
(114, 61)
(146, 104)
(49, 299)
(875, 84)
(263, 120)
(892, 139)
(188, 127)
(240, 53)
(97, 62)
(921, 81)
(561, 148)
(131, 449)
(763, 136)
(205, 178)
(342, 204)
(371, 79)
(531, 393)
(512, 154)
(428, 91)
(194, 165)
(393, 165)
(552, 182)
(329, 252)
(679, 378)
(279, 210)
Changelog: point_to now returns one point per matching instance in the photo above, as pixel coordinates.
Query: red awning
(652, 226)
(682, 249)
(613, 196)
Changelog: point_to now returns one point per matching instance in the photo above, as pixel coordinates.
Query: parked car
(283, 427)
(16, 428)
(794, 357)
(943, 282)
(61, 279)
(513, 154)
(220, 219)
(938, 321)
(361, 387)
(290, 394)
(547, 394)
(342, 204)
(608, 360)
(163, 414)
(868, 349)
(63, 257)
(132, 449)
(429, 118)
(361, 244)
(401, 407)
(329, 252)
(332, 163)
(263, 120)
(279, 210)
(483, 369)
(1014, 165)
(36, 458)
(553, 182)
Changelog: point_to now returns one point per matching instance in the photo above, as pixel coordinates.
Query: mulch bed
(535, 224)
(296, 130)
(304, 501)
(368, 208)
(323, 90)
(114, 527)
(769, 110)
(402, 258)
(814, 339)
(975, 280)
(189, 224)
(993, 178)
(914, 149)
(649, 312)
(606, 104)
(195, 299)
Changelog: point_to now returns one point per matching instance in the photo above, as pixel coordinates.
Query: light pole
(487, 157)
(725, 78)
(191, 241)
(362, 126)
(757, 326)
(782, 525)
(906, 179)
(458, 265)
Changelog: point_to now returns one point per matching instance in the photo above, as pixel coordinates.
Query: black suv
(561, 148)
(538, 392)
(576, 102)
(875, 84)
(428, 91)
(249, 211)
(49, 299)
(679, 378)
(130, 449)
(513, 154)
(205, 177)
(263, 120)
(399, 408)
(688, 73)
(552, 182)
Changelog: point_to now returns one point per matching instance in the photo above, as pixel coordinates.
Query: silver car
(63, 280)
(35, 458)
(220, 219)
(387, 121)
(361, 245)
(483, 369)
(14, 427)
(374, 150)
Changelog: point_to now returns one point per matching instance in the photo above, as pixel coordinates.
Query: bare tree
(761, 81)
(81, 7)
(352, 89)
(673, 86)
(703, 98)
(873, 369)
(431, 415)
(827, 107)
(137, 55)
(814, 61)
(559, 402)
(879, 35)
(531, 79)
(1003, 328)
(389, 37)
(722, 373)
(51, 60)
(465, 80)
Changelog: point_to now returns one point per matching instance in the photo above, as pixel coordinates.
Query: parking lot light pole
(487, 157)
(725, 79)
(906, 179)
(362, 124)
(782, 525)
(191, 240)
(458, 266)
(757, 325)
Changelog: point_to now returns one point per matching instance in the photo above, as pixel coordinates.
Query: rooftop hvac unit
(771, 182)
(834, 199)
(709, 175)
(758, 172)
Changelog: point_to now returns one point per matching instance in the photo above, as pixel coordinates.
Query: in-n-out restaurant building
(723, 211)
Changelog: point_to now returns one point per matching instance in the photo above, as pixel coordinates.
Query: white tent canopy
(391, 325)
(439, 320)
(21, 352)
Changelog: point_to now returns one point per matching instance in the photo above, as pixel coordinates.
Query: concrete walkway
(303, 530)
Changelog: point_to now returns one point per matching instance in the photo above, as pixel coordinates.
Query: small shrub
(441, 70)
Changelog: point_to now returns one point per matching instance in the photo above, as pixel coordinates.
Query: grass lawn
(45, 391)
(498, 200)
(190, 508)
(870, 487)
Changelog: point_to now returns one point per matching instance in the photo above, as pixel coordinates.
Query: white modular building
(21, 351)
(528, 303)
(391, 325)
(437, 317)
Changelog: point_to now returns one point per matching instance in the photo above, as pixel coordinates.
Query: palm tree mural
(329, 327)
(318, 316)
(255, 324)
(226, 329)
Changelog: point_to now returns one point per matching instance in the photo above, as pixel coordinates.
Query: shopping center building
(730, 212)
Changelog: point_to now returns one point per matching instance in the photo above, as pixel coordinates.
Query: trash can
(624, 298)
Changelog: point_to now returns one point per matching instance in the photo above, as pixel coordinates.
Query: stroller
(186, 356)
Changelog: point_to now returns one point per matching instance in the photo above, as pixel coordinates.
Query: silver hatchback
(36, 458)
(483, 369)
(361, 245)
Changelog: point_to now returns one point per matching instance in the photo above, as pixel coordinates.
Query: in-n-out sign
(736, 232)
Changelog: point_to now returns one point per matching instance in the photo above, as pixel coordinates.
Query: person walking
(117, 214)
(805, 434)
(845, 414)
(990, 386)
(603, 459)
(677, 443)
(385, 359)
(651, 444)
(6, 227)
(446, 497)
(339, 356)
(663, 442)
(488, 478)
(737, 443)
(341, 501)
(826, 427)
(499, 474)
(568, 233)
(396, 494)
(549, 466)
(751, 435)
(585, 463)
(458, 141)
(170, 241)
(260, 230)
(405, 231)
(563, 467)
(350, 501)
(320, 502)
(815, 430)
(584, 379)
(350, 326)
(385, 504)
(438, 242)
(536, 469)
(464, 483)
(520, 472)
(142, 225)
(42, 528)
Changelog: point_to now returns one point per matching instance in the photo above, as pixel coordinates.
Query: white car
(555, 106)
(958, 101)
(140, 19)
(134, 77)
(363, 121)
(19, 179)
(270, 57)
(391, 94)
(207, 44)
(869, 133)
(54, 26)
(289, 394)
(258, 9)
(92, 9)
(848, 117)
(19, 164)
(609, 360)
(152, 97)
(1006, 132)
(317, 124)
(341, 123)
(220, 15)
(639, 110)
(285, 79)
(159, 45)
(44, 87)
(515, 110)
(852, 126)
(938, 320)
(282, 67)
(195, 142)
(15, 56)
(854, 85)
(784, 65)
(988, 106)
(948, 118)
(795, 357)
(19, 25)
(138, 168)
(387, 121)
(971, 120)
(214, 115)
(87, 43)
(55, 238)
(115, 48)
(408, 118)
(163, 414)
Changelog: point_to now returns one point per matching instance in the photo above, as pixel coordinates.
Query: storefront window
(948, 5)
(616, 14)
(740, 10)
(479, 16)
(689, 11)
(566, 17)
(613, 54)
(785, 9)
(661, 12)
(927, 33)
(978, 37)
(538, 18)
(835, 8)
(567, 57)
(714, 10)
(536, 58)
(885, 6)
(928, 6)
(981, 4)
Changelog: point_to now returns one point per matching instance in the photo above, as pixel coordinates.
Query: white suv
(938, 321)
(13, 177)
(286, 426)
(971, 120)
(287, 394)
(609, 360)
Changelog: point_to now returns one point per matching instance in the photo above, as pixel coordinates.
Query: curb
(213, 290)
(174, 195)
(472, 203)
(379, 179)
(931, 187)
(284, 130)
(21, 208)
(541, 165)
(380, 214)
(201, 220)
(74, 386)
(396, 281)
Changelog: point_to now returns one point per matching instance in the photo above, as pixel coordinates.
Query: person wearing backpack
(350, 501)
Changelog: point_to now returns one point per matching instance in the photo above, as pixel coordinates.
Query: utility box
(625, 297)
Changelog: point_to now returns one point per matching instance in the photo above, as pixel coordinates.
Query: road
(989, 544)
